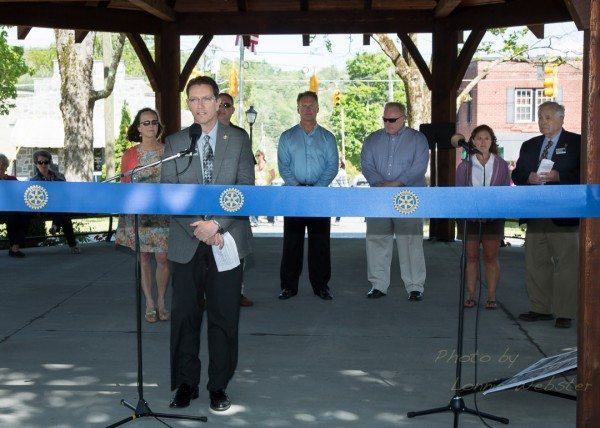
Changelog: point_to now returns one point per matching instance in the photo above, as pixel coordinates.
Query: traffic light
(550, 80)
(313, 84)
(337, 98)
(233, 82)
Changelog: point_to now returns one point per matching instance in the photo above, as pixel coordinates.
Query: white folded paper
(545, 166)
(227, 257)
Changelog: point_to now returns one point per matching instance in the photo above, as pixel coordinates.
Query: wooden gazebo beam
(156, 8)
(193, 60)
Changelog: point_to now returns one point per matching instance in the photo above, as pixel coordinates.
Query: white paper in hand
(545, 166)
(227, 257)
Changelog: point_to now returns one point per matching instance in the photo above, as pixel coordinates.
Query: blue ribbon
(416, 202)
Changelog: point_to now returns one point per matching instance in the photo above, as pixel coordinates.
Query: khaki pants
(380, 247)
(552, 267)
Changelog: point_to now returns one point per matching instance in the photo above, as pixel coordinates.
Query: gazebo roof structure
(167, 20)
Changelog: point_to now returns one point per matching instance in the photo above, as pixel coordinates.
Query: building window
(527, 102)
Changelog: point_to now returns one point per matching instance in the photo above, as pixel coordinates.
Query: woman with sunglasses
(486, 168)
(153, 229)
(16, 223)
(42, 160)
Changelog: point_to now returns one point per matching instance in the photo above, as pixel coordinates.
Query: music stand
(141, 409)
(457, 403)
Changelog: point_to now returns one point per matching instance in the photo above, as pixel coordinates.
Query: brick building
(507, 100)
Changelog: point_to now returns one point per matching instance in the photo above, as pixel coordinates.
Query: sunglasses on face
(225, 105)
(46, 162)
(391, 119)
(150, 122)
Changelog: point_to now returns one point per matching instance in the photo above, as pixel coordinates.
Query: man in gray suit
(223, 156)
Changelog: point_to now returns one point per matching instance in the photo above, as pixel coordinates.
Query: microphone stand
(457, 403)
(142, 409)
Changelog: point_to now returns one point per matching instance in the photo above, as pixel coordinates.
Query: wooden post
(588, 340)
(443, 109)
(168, 65)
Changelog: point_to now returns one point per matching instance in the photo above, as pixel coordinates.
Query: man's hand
(552, 176)
(204, 229)
(216, 239)
(534, 178)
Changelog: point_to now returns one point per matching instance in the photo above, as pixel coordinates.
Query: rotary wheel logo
(406, 202)
(36, 197)
(231, 200)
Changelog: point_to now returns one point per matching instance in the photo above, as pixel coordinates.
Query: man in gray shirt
(395, 156)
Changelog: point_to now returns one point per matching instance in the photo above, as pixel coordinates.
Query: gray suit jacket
(233, 164)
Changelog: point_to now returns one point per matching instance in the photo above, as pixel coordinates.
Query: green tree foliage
(122, 143)
(39, 60)
(12, 66)
(363, 98)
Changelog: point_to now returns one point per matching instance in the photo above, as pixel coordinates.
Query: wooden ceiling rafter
(537, 30)
(157, 8)
(413, 50)
(368, 5)
(193, 60)
(23, 31)
(148, 63)
(580, 13)
(443, 8)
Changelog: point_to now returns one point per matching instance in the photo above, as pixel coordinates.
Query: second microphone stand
(457, 403)
(141, 409)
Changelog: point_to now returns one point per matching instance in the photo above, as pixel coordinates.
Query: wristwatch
(220, 230)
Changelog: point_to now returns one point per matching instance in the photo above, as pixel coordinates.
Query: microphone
(195, 131)
(467, 146)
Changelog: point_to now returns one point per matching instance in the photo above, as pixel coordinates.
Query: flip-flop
(491, 304)
(151, 315)
(469, 303)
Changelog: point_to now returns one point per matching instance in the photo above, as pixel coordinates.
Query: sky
(287, 52)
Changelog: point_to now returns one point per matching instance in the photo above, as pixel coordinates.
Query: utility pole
(241, 85)
(343, 126)
(109, 110)
(390, 85)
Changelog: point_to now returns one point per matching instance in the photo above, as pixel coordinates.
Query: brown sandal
(490, 304)
(151, 315)
(469, 303)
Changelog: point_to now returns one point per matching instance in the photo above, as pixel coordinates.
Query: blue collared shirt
(307, 158)
(402, 157)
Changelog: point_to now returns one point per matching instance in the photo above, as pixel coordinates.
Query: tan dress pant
(380, 247)
(552, 267)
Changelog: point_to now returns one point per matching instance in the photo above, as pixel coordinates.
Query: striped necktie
(207, 160)
(545, 151)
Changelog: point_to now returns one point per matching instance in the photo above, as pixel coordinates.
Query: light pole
(251, 118)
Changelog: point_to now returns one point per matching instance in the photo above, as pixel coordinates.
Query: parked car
(359, 181)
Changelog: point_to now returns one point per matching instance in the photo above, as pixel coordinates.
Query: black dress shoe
(375, 294)
(415, 296)
(183, 395)
(219, 401)
(324, 294)
(286, 293)
(535, 316)
(18, 254)
(562, 323)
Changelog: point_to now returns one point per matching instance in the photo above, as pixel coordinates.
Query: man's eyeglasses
(203, 100)
(391, 119)
(46, 162)
(225, 105)
(150, 122)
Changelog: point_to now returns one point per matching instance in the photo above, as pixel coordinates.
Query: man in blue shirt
(307, 156)
(395, 156)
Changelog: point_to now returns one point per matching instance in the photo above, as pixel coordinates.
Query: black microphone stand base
(142, 410)
(457, 406)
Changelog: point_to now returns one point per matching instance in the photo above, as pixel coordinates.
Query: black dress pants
(319, 256)
(65, 223)
(17, 225)
(191, 282)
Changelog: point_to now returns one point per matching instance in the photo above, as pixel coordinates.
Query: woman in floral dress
(153, 229)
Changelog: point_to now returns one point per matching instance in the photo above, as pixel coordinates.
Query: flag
(253, 42)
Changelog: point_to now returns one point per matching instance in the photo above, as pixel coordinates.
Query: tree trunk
(418, 96)
(75, 62)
